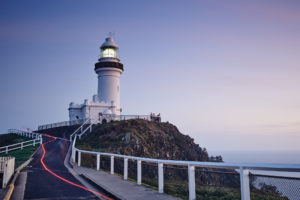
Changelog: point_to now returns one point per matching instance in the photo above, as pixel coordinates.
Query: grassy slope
(143, 138)
(161, 140)
(20, 155)
(63, 131)
(7, 139)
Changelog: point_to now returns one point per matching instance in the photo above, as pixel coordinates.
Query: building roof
(109, 42)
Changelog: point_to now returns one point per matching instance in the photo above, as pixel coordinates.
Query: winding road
(48, 178)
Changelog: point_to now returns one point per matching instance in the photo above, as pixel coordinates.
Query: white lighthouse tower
(109, 70)
(107, 100)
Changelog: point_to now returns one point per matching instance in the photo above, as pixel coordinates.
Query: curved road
(42, 185)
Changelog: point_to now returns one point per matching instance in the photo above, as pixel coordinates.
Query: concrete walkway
(19, 190)
(125, 190)
(3, 192)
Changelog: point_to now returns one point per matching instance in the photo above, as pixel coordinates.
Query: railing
(60, 124)
(20, 145)
(127, 117)
(82, 121)
(242, 169)
(25, 133)
(80, 129)
(38, 140)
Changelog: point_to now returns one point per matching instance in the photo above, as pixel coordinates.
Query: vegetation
(139, 137)
(7, 139)
(163, 141)
(21, 156)
(63, 131)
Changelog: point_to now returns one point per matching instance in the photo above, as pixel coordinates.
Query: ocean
(275, 157)
(289, 187)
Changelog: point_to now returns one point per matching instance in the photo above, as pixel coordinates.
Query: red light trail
(61, 178)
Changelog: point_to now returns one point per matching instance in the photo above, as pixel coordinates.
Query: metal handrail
(79, 128)
(254, 166)
(242, 168)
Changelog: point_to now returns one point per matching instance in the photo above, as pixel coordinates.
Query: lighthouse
(107, 100)
(109, 69)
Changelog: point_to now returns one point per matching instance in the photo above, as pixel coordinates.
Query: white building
(107, 101)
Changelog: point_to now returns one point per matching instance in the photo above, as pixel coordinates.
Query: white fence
(25, 133)
(101, 118)
(243, 169)
(7, 167)
(37, 140)
(59, 124)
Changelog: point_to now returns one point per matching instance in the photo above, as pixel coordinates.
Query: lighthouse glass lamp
(108, 53)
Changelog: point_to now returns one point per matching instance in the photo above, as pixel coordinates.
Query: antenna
(111, 34)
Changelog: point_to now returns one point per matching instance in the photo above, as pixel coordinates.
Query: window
(108, 53)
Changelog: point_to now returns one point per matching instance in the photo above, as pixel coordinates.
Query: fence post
(73, 154)
(41, 140)
(33, 143)
(139, 172)
(22, 146)
(245, 186)
(192, 187)
(91, 127)
(125, 168)
(112, 165)
(160, 177)
(79, 158)
(98, 161)
(6, 150)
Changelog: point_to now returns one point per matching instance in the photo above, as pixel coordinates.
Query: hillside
(7, 139)
(143, 138)
(63, 131)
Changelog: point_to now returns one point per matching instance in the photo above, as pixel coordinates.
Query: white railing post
(98, 161)
(73, 154)
(139, 172)
(33, 143)
(41, 140)
(6, 150)
(79, 158)
(91, 127)
(22, 146)
(160, 177)
(192, 187)
(112, 165)
(245, 186)
(125, 168)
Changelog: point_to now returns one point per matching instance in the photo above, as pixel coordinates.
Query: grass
(20, 155)
(7, 139)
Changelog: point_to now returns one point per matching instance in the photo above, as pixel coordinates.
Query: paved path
(122, 189)
(3, 193)
(41, 184)
(19, 189)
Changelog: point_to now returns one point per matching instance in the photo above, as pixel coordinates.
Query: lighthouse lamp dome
(109, 48)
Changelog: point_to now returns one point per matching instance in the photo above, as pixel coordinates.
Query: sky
(226, 73)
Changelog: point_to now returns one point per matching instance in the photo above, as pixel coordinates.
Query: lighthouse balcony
(101, 64)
